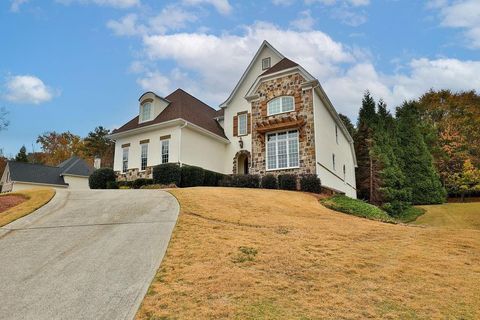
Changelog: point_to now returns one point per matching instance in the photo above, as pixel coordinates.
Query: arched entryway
(241, 162)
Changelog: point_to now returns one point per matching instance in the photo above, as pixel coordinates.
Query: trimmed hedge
(100, 177)
(310, 183)
(287, 181)
(112, 185)
(269, 181)
(246, 181)
(192, 176)
(137, 184)
(167, 173)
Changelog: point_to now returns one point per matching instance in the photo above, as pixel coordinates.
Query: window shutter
(249, 123)
(235, 126)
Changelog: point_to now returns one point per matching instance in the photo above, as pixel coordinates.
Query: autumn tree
(22, 155)
(58, 147)
(97, 144)
(465, 182)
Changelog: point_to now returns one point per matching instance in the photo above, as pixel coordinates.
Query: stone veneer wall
(290, 85)
(133, 174)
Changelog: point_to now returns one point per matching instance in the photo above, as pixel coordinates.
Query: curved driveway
(85, 255)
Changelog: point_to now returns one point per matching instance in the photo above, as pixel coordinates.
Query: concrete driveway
(85, 255)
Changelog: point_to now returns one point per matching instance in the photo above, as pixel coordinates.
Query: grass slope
(271, 254)
(451, 215)
(357, 208)
(35, 199)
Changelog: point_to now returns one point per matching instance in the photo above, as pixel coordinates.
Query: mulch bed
(7, 202)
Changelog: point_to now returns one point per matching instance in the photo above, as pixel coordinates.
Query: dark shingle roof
(283, 64)
(38, 173)
(185, 106)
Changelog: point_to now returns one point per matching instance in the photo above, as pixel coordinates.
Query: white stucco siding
(202, 150)
(76, 183)
(238, 104)
(18, 186)
(326, 145)
(154, 147)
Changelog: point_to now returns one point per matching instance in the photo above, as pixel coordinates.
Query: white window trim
(141, 157)
(245, 115)
(276, 150)
(269, 59)
(125, 169)
(281, 105)
(141, 112)
(168, 151)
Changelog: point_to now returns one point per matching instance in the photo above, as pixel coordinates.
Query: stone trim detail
(235, 160)
(134, 174)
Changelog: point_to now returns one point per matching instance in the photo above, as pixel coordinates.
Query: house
(277, 119)
(72, 174)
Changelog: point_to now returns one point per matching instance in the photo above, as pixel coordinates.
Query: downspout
(180, 143)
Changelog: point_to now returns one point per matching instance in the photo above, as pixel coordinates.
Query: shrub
(226, 181)
(210, 178)
(192, 176)
(246, 181)
(112, 185)
(167, 173)
(357, 208)
(269, 181)
(310, 183)
(287, 181)
(137, 184)
(99, 178)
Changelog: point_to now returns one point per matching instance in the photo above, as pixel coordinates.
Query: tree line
(428, 149)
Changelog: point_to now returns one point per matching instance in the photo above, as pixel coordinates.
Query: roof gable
(265, 44)
(182, 105)
(283, 64)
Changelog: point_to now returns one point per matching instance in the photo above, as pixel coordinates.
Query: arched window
(280, 105)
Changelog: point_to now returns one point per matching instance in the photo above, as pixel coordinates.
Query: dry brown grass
(310, 263)
(35, 199)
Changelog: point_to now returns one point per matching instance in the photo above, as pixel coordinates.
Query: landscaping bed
(8, 201)
(32, 200)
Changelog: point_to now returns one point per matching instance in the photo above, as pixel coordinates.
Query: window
(242, 124)
(280, 105)
(282, 150)
(333, 160)
(336, 133)
(165, 150)
(145, 112)
(266, 63)
(125, 160)
(144, 157)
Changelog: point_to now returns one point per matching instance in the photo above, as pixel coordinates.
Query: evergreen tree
(367, 180)
(415, 158)
(348, 124)
(392, 192)
(22, 155)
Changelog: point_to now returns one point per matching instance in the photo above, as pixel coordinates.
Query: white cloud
(222, 6)
(305, 21)
(350, 17)
(283, 2)
(355, 3)
(27, 89)
(462, 14)
(107, 3)
(210, 65)
(170, 18)
(15, 5)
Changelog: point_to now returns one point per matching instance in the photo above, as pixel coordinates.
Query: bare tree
(3, 119)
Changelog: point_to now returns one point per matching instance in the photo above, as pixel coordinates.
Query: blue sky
(76, 64)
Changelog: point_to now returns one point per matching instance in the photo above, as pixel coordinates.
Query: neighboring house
(277, 120)
(72, 174)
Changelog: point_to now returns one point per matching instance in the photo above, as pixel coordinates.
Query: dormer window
(266, 63)
(145, 112)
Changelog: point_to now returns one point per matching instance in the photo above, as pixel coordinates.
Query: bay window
(282, 150)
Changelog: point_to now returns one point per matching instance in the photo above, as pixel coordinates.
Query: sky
(72, 65)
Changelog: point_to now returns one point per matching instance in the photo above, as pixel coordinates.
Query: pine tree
(365, 174)
(415, 158)
(22, 155)
(348, 124)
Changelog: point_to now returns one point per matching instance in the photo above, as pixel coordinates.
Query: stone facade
(133, 174)
(239, 154)
(290, 85)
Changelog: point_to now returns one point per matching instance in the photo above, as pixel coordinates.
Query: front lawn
(451, 215)
(271, 254)
(35, 198)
